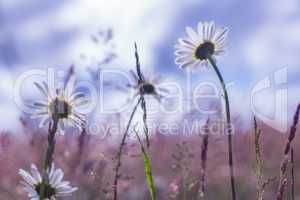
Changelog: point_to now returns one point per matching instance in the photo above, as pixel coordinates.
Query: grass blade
(148, 170)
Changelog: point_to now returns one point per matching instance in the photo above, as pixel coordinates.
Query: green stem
(147, 169)
(227, 109)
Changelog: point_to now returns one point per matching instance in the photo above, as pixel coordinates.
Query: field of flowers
(57, 155)
(87, 163)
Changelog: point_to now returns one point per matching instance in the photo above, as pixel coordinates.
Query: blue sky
(264, 37)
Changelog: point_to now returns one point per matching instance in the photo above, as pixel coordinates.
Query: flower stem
(49, 154)
(204, 150)
(229, 131)
(121, 147)
(146, 129)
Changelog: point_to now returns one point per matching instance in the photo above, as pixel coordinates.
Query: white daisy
(56, 188)
(194, 51)
(149, 87)
(64, 102)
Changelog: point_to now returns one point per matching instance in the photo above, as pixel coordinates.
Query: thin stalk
(49, 154)
(184, 188)
(143, 102)
(293, 174)
(258, 168)
(138, 65)
(262, 182)
(227, 109)
(286, 162)
(121, 147)
(146, 129)
(81, 144)
(204, 151)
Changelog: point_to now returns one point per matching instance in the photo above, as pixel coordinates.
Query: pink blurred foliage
(87, 161)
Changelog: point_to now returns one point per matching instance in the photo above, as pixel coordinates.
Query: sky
(263, 38)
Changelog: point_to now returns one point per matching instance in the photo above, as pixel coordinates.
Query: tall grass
(292, 174)
(285, 161)
(120, 152)
(141, 102)
(147, 169)
(262, 182)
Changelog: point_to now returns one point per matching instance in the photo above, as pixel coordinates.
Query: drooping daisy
(56, 188)
(149, 87)
(194, 51)
(65, 103)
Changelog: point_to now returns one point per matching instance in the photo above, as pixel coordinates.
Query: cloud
(275, 40)
(142, 21)
(282, 8)
(273, 45)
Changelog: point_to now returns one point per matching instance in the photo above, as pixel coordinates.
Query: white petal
(36, 174)
(41, 88)
(31, 191)
(77, 119)
(197, 64)
(200, 29)
(52, 169)
(63, 184)
(58, 178)
(186, 42)
(69, 88)
(204, 31)
(219, 52)
(45, 120)
(221, 35)
(212, 30)
(40, 103)
(192, 34)
(76, 96)
(184, 46)
(181, 53)
(27, 177)
(184, 59)
(187, 64)
(81, 102)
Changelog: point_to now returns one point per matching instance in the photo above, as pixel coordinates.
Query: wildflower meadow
(149, 100)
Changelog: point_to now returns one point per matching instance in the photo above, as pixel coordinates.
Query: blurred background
(90, 35)
(94, 35)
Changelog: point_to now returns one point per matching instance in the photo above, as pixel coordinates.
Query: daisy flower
(198, 49)
(148, 87)
(56, 188)
(195, 50)
(64, 103)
